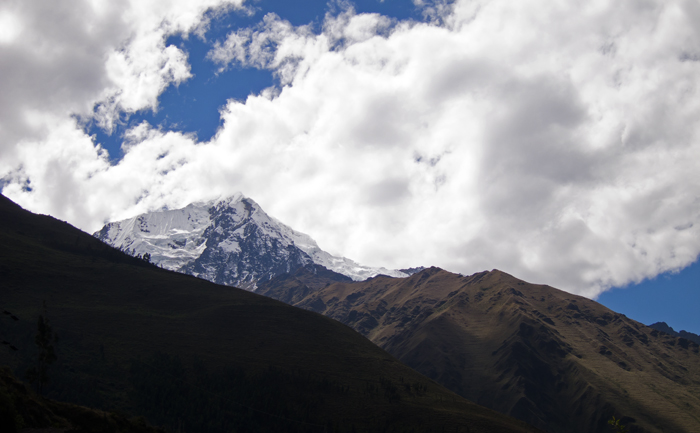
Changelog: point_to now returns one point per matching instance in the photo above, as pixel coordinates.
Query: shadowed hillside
(197, 357)
(561, 362)
(21, 409)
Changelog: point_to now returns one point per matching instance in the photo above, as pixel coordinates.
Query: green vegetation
(617, 426)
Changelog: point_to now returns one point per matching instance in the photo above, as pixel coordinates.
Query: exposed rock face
(244, 246)
(230, 241)
(561, 362)
(663, 327)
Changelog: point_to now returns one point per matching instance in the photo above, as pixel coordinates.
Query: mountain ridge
(559, 361)
(663, 327)
(230, 241)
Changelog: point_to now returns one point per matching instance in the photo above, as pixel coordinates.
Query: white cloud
(60, 59)
(556, 142)
(10, 27)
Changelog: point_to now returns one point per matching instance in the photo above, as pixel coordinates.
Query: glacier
(230, 241)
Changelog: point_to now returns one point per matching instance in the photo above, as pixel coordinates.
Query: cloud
(81, 58)
(555, 142)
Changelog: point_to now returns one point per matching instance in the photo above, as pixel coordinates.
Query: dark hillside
(21, 409)
(561, 362)
(194, 356)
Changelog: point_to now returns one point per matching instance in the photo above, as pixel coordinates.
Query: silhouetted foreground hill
(561, 362)
(21, 409)
(197, 357)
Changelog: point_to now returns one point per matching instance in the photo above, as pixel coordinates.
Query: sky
(556, 141)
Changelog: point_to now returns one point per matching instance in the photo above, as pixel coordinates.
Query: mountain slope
(21, 408)
(194, 356)
(663, 327)
(229, 241)
(558, 361)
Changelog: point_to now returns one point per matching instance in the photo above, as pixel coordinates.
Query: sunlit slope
(195, 356)
(559, 361)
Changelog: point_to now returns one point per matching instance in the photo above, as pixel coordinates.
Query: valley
(190, 355)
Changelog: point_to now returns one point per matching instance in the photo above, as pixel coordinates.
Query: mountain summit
(229, 241)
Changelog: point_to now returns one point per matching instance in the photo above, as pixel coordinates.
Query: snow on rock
(172, 237)
(228, 241)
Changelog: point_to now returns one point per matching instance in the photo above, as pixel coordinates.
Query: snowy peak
(172, 237)
(229, 241)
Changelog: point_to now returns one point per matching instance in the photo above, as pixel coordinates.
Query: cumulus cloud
(90, 59)
(556, 142)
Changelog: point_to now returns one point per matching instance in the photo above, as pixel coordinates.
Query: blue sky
(673, 298)
(194, 105)
(556, 143)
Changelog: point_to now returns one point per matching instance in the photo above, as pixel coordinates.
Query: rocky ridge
(663, 327)
(230, 241)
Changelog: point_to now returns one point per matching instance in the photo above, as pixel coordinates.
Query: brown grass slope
(194, 356)
(561, 362)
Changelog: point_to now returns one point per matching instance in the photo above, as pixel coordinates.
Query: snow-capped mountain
(228, 241)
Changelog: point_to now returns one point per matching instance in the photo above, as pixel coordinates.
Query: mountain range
(194, 356)
(230, 241)
(558, 361)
